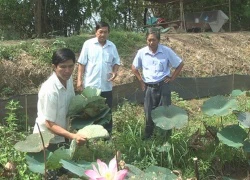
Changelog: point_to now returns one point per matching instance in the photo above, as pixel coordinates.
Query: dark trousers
(53, 147)
(108, 95)
(154, 97)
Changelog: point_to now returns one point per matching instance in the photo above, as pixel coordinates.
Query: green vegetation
(217, 136)
(42, 49)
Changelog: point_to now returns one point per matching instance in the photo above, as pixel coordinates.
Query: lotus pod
(219, 105)
(94, 131)
(232, 135)
(169, 117)
(33, 142)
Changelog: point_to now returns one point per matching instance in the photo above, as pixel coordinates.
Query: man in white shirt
(54, 98)
(98, 63)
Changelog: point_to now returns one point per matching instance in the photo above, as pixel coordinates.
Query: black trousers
(109, 97)
(155, 96)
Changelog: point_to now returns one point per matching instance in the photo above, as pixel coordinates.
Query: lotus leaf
(35, 161)
(246, 146)
(91, 91)
(33, 142)
(78, 122)
(169, 117)
(237, 92)
(152, 172)
(94, 131)
(161, 171)
(73, 167)
(95, 106)
(77, 104)
(232, 135)
(244, 119)
(72, 148)
(56, 156)
(219, 105)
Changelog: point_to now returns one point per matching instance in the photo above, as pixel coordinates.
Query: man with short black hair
(53, 100)
(98, 63)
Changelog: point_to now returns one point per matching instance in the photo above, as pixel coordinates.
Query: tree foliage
(39, 18)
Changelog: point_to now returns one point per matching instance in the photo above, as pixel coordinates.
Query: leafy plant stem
(26, 113)
(44, 153)
(196, 168)
(221, 122)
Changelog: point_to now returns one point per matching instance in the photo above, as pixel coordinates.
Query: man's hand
(79, 86)
(113, 76)
(80, 139)
(143, 86)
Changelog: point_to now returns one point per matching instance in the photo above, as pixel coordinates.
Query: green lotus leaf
(33, 142)
(56, 156)
(219, 105)
(91, 91)
(232, 135)
(133, 170)
(152, 172)
(72, 148)
(94, 131)
(73, 167)
(77, 104)
(78, 122)
(237, 92)
(244, 119)
(95, 106)
(246, 146)
(35, 161)
(159, 171)
(169, 117)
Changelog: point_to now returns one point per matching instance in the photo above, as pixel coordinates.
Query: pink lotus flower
(105, 172)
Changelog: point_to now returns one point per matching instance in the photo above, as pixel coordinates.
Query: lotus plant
(105, 172)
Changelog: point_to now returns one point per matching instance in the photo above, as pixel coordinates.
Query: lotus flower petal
(103, 168)
(113, 165)
(121, 174)
(92, 174)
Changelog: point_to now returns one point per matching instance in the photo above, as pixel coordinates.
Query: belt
(156, 85)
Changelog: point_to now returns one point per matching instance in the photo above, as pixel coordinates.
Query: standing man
(54, 98)
(156, 61)
(98, 63)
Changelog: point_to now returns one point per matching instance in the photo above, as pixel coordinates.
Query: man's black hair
(101, 24)
(62, 55)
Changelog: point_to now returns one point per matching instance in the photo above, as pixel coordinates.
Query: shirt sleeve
(137, 62)
(83, 58)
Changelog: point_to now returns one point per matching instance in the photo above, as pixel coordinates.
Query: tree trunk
(38, 17)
